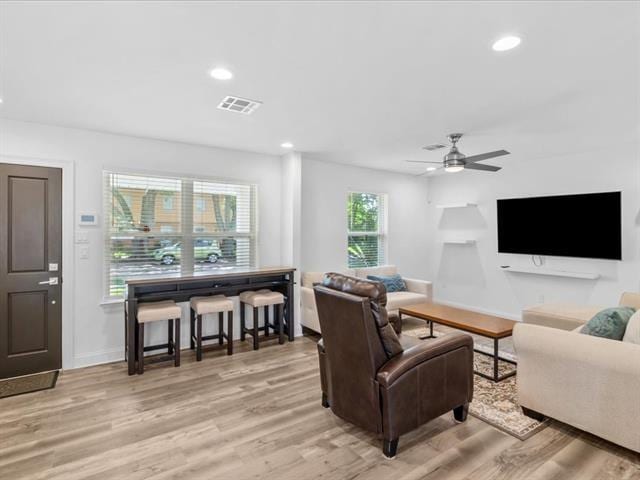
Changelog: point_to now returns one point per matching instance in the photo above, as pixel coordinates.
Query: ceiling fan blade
(485, 156)
(481, 166)
(422, 161)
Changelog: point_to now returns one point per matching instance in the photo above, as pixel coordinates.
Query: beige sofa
(589, 382)
(417, 291)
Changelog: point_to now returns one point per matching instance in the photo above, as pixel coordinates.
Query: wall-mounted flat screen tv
(585, 225)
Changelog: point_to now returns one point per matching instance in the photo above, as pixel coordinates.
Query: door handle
(51, 281)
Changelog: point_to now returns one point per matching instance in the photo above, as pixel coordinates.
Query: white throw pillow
(632, 333)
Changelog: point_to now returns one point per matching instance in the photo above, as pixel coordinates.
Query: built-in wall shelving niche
(456, 205)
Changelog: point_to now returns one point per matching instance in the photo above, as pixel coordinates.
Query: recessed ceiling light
(0, 100)
(431, 169)
(220, 73)
(506, 43)
(286, 145)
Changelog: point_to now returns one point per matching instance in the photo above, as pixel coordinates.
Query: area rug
(27, 384)
(495, 403)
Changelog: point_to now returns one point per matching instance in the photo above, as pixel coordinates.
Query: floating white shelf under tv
(552, 273)
(456, 205)
(459, 242)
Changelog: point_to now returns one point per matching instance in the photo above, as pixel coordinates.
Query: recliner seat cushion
(377, 294)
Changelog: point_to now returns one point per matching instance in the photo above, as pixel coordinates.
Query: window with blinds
(366, 229)
(156, 226)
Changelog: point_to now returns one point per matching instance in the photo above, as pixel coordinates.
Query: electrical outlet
(84, 253)
(541, 298)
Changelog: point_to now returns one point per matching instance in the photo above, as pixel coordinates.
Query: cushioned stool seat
(151, 312)
(262, 299)
(206, 305)
(154, 312)
(215, 304)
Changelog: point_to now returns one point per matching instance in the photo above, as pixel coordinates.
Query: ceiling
(352, 82)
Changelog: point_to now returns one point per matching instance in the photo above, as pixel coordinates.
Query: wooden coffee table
(481, 324)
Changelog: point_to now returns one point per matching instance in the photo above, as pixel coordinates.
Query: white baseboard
(97, 358)
(510, 316)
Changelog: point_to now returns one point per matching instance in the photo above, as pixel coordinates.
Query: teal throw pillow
(393, 283)
(609, 323)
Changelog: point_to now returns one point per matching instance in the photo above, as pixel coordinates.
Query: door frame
(68, 272)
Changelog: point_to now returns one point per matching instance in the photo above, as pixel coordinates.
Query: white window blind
(366, 229)
(155, 226)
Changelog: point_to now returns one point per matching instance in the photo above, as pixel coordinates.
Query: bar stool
(153, 312)
(213, 304)
(257, 299)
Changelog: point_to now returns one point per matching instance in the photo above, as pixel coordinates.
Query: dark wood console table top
(180, 288)
(481, 324)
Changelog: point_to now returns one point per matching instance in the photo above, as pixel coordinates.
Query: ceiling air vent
(239, 105)
(435, 146)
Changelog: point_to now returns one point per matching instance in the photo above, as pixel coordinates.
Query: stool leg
(230, 332)
(199, 337)
(140, 348)
(243, 325)
(220, 327)
(170, 339)
(256, 316)
(192, 321)
(266, 320)
(280, 315)
(176, 349)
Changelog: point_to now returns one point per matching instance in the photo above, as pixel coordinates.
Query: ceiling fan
(455, 161)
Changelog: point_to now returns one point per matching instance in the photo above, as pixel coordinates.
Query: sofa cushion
(630, 299)
(395, 300)
(311, 278)
(564, 316)
(383, 270)
(609, 323)
(393, 283)
(632, 333)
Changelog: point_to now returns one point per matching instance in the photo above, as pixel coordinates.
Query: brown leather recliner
(377, 380)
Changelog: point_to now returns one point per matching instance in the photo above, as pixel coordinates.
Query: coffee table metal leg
(495, 360)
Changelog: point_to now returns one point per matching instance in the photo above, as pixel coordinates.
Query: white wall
(325, 187)
(98, 330)
(470, 275)
(292, 221)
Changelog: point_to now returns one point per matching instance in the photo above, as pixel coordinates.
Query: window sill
(106, 301)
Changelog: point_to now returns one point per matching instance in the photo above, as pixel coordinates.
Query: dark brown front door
(30, 269)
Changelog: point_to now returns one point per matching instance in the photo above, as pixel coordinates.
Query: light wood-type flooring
(257, 415)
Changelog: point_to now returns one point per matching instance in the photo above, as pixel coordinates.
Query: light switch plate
(84, 253)
(82, 236)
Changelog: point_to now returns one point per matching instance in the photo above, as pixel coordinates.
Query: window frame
(381, 233)
(185, 233)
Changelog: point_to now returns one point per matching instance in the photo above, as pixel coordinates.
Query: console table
(180, 288)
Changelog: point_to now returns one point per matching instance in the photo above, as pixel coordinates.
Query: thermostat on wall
(87, 219)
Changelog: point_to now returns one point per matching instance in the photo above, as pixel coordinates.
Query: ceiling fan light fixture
(454, 169)
(506, 43)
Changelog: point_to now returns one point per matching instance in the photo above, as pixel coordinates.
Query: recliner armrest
(410, 358)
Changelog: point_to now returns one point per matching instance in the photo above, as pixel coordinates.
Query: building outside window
(156, 226)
